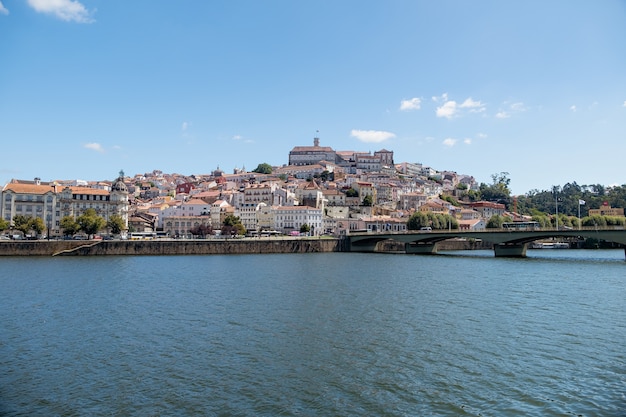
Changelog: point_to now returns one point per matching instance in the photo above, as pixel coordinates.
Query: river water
(336, 334)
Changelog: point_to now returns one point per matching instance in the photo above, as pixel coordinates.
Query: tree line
(89, 222)
(573, 202)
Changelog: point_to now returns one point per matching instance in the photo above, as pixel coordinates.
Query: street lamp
(555, 189)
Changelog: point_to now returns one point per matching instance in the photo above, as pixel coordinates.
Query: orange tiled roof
(20, 188)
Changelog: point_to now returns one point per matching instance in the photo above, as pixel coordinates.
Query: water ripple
(315, 334)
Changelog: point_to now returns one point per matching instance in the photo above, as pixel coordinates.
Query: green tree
(90, 222)
(498, 190)
(263, 168)
(305, 228)
(4, 225)
(471, 195)
(115, 224)
(25, 224)
(368, 200)
(351, 192)
(201, 230)
(22, 223)
(450, 200)
(417, 221)
(232, 226)
(69, 226)
(496, 221)
(326, 175)
(429, 219)
(37, 225)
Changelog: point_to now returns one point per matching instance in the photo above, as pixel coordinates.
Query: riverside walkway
(506, 243)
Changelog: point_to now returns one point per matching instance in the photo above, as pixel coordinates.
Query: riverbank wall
(168, 247)
(201, 247)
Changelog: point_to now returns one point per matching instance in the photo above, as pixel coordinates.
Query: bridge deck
(511, 239)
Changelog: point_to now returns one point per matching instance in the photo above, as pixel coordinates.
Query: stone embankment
(167, 247)
(201, 247)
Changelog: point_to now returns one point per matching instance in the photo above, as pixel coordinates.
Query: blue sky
(533, 88)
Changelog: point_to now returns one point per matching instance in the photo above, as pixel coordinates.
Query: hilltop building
(311, 155)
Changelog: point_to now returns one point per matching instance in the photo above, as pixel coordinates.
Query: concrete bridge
(506, 243)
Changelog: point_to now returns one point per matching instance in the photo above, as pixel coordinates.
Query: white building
(190, 208)
(290, 219)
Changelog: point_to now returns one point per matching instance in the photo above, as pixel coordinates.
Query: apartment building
(51, 202)
(290, 219)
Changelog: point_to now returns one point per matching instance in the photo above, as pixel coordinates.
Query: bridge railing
(490, 230)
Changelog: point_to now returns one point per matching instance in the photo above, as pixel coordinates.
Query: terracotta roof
(312, 149)
(196, 201)
(87, 190)
(29, 188)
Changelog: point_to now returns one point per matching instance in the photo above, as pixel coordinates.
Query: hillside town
(320, 191)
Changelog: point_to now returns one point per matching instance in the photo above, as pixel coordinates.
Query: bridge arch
(510, 243)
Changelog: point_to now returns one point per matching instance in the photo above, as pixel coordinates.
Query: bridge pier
(420, 248)
(510, 250)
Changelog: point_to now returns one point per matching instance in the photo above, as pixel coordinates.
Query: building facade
(309, 155)
(51, 202)
(291, 219)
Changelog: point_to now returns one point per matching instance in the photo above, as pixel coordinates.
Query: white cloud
(184, 126)
(573, 108)
(241, 138)
(467, 141)
(95, 147)
(441, 98)
(518, 107)
(624, 105)
(474, 106)
(448, 110)
(371, 136)
(412, 104)
(68, 10)
(509, 109)
(3, 10)
(481, 135)
(449, 142)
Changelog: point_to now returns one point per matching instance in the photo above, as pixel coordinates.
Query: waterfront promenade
(505, 243)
